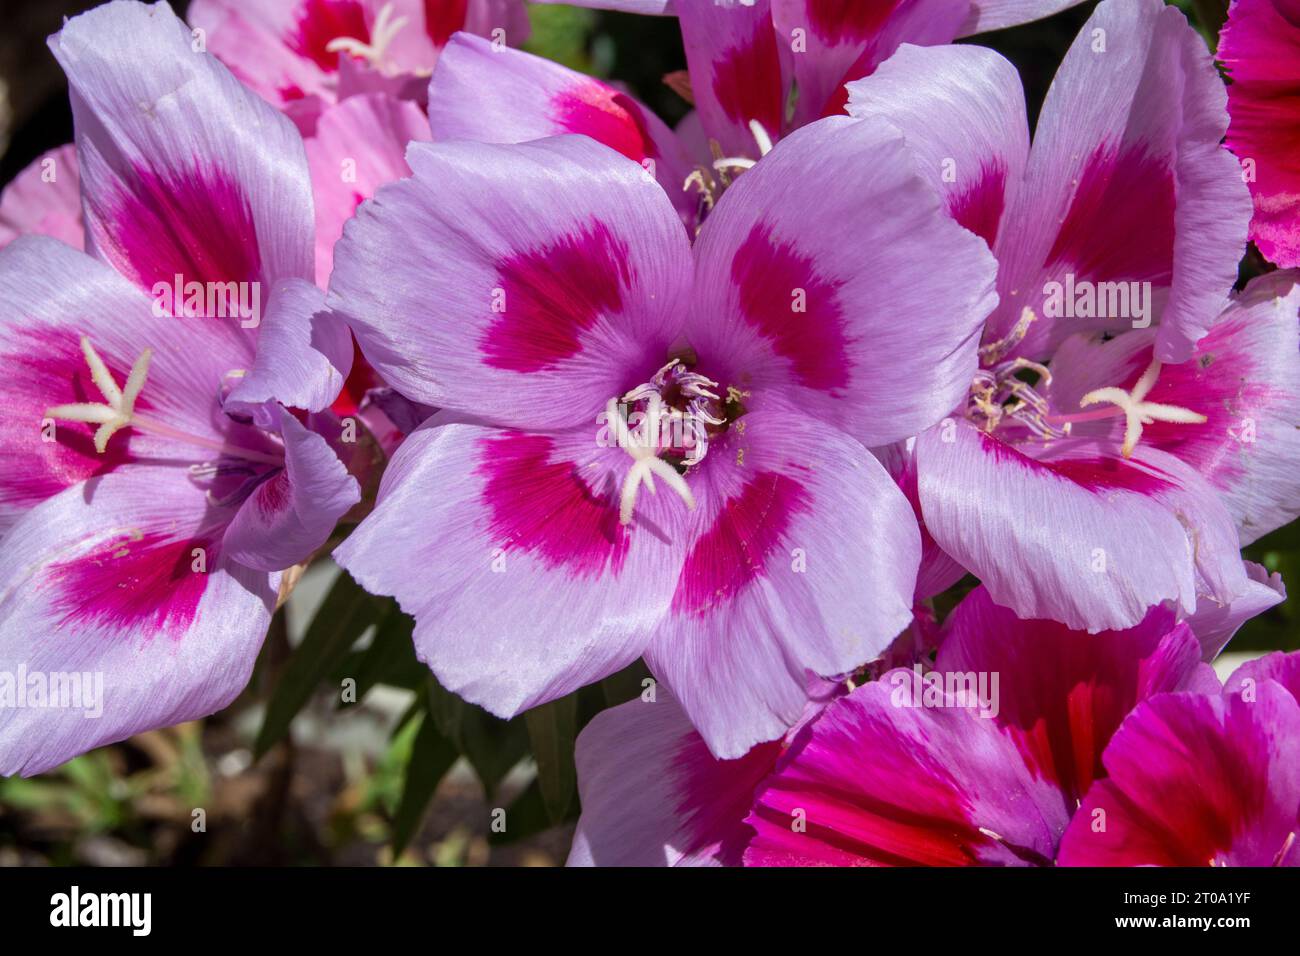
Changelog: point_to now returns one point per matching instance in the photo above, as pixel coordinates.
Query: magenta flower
(1260, 49)
(745, 57)
(152, 486)
(1085, 480)
(1196, 780)
(981, 760)
(303, 55)
(546, 297)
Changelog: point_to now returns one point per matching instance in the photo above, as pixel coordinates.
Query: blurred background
(406, 774)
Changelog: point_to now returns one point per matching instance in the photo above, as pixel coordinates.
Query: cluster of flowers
(910, 343)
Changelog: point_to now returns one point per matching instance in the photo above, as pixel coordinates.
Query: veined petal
(184, 171)
(490, 95)
(1127, 183)
(120, 582)
(507, 549)
(1078, 535)
(528, 285)
(803, 558)
(291, 514)
(823, 296)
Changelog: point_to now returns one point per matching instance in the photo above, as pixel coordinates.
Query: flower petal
(45, 198)
(1196, 780)
(803, 560)
(490, 95)
(184, 171)
(291, 514)
(1128, 182)
(120, 579)
(1079, 536)
(824, 297)
(506, 547)
(528, 284)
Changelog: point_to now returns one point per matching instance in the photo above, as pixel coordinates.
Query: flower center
(117, 411)
(1000, 399)
(664, 425)
(382, 34)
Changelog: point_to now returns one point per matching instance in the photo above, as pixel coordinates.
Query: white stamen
(382, 34)
(118, 408)
(646, 463)
(1138, 411)
(761, 137)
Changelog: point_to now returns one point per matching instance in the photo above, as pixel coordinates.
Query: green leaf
(491, 745)
(343, 616)
(390, 659)
(431, 757)
(552, 729)
(525, 817)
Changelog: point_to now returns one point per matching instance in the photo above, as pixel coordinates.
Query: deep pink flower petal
(1078, 535)
(803, 554)
(1260, 49)
(1278, 666)
(822, 296)
(528, 284)
(845, 41)
(740, 70)
(1063, 693)
(873, 783)
(1196, 780)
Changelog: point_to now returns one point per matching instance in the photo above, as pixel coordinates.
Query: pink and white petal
(45, 199)
(1196, 780)
(292, 513)
(358, 145)
(1260, 50)
(876, 782)
(938, 571)
(120, 579)
(803, 559)
(528, 284)
(507, 549)
(50, 296)
(740, 70)
(1244, 377)
(1215, 625)
(987, 15)
(653, 795)
(1082, 537)
(1128, 182)
(184, 171)
(279, 49)
(490, 95)
(825, 298)
(962, 110)
(1061, 694)
(843, 42)
(304, 351)
(1280, 667)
